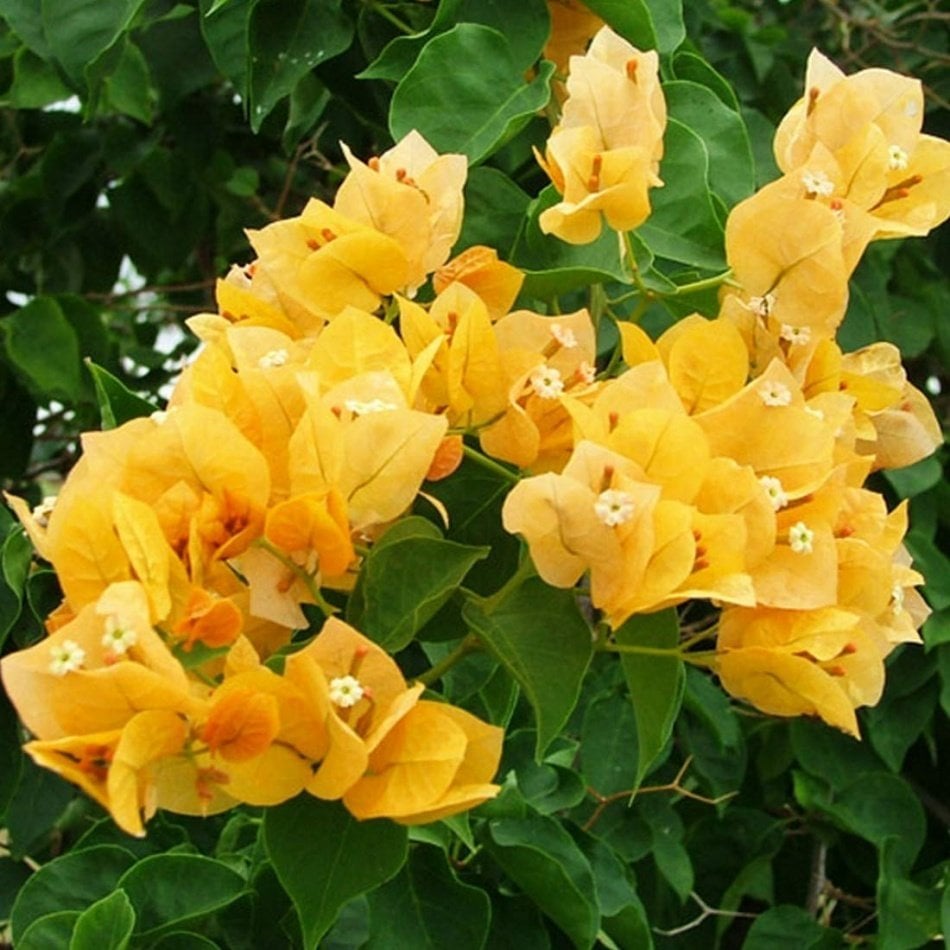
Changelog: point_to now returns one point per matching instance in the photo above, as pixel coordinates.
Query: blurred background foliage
(138, 138)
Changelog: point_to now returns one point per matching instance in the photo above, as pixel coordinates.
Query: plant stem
(387, 14)
(469, 645)
(313, 588)
(490, 464)
(701, 658)
(524, 570)
(707, 283)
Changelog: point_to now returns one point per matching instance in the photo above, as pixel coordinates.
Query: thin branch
(706, 912)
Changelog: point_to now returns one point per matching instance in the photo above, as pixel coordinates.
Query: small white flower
(118, 639)
(801, 538)
(774, 393)
(273, 358)
(546, 382)
(897, 599)
(67, 656)
(773, 488)
(897, 159)
(159, 416)
(564, 336)
(795, 335)
(365, 408)
(43, 510)
(614, 507)
(587, 372)
(818, 183)
(762, 306)
(346, 691)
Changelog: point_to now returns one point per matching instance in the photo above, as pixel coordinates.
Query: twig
(706, 911)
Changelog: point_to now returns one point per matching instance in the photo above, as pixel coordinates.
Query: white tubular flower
(117, 639)
(365, 408)
(774, 393)
(546, 382)
(801, 538)
(346, 691)
(773, 488)
(897, 158)
(68, 656)
(273, 358)
(797, 336)
(614, 507)
(818, 184)
(564, 336)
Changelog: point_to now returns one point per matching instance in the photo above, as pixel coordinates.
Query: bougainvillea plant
(474, 510)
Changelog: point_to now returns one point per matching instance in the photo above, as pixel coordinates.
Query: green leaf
(106, 925)
(494, 209)
(684, 226)
(910, 915)
(35, 82)
(226, 35)
(117, 403)
(80, 31)
(526, 24)
(554, 267)
(789, 928)
(731, 168)
(467, 111)
(184, 940)
(426, 906)
(405, 582)
(128, 88)
(15, 556)
(51, 932)
(630, 18)
(353, 857)
(10, 761)
(831, 755)
(917, 478)
(895, 724)
(609, 745)
(542, 859)
(71, 882)
(154, 888)
(42, 346)
(540, 637)
(288, 38)
(656, 683)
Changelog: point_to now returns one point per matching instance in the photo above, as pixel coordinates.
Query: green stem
(491, 465)
(696, 286)
(387, 14)
(703, 658)
(470, 644)
(313, 588)
(631, 259)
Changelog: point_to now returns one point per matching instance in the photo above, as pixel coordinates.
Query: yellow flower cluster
(727, 462)
(185, 543)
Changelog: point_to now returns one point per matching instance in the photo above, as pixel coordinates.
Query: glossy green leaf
(731, 168)
(183, 940)
(461, 111)
(352, 858)
(226, 36)
(71, 882)
(542, 859)
(526, 24)
(910, 915)
(789, 928)
(656, 683)
(426, 906)
(154, 888)
(404, 582)
(16, 553)
(42, 346)
(51, 932)
(537, 633)
(494, 210)
(128, 87)
(80, 31)
(117, 403)
(609, 744)
(36, 82)
(106, 925)
(684, 226)
(287, 39)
